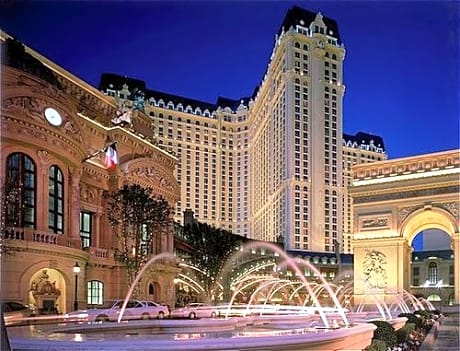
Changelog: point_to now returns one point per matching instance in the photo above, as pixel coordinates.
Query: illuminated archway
(395, 200)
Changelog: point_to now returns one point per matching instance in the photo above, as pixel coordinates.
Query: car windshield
(130, 304)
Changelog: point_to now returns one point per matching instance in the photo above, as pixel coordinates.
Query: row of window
(21, 197)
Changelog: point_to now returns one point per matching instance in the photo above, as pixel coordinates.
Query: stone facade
(32, 86)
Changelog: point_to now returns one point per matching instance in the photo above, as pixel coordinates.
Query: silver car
(134, 310)
(15, 312)
(195, 310)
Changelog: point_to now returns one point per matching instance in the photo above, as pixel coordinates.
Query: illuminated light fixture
(76, 270)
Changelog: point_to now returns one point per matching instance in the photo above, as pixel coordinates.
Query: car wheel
(192, 315)
(145, 316)
(102, 318)
(213, 314)
(161, 315)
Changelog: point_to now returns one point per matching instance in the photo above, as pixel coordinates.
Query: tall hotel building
(275, 165)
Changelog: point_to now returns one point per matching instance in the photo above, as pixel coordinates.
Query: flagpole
(98, 152)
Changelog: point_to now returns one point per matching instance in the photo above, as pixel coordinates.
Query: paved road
(448, 338)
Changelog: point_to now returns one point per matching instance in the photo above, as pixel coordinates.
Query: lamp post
(76, 270)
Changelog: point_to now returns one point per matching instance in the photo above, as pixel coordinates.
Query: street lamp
(76, 270)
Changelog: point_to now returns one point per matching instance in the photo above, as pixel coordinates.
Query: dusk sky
(401, 69)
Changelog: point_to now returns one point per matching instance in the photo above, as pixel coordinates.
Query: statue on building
(125, 112)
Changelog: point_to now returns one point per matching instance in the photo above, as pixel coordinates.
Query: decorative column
(456, 249)
(43, 195)
(74, 206)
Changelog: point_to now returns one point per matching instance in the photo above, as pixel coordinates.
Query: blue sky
(401, 68)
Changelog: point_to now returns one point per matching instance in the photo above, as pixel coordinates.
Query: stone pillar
(74, 206)
(456, 249)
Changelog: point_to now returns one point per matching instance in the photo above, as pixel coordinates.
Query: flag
(111, 157)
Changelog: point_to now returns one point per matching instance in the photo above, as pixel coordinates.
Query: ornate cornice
(401, 194)
(406, 166)
(26, 131)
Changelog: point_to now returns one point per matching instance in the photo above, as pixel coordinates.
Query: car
(15, 312)
(195, 310)
(135, 309)
(158, 310)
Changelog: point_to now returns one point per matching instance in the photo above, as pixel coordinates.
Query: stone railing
(98, 253)
(12, 234)
(47, 238)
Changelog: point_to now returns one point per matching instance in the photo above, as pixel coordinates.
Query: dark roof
(176, 99)
(233, 104)
(116, 82)
(365, 138)
(423, 255)
(296, 14)
(14, 55)
(345, 258)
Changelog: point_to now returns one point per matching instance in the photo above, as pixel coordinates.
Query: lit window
(56, 200)
(86, 219)
(95, 292)
(19, 190)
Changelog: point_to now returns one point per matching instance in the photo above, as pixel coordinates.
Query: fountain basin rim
(272, 342)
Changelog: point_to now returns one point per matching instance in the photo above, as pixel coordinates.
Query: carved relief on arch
(452, 208)
(34, 108)
(25, 106)
(404, 212)
(375, 269)
(156, 176)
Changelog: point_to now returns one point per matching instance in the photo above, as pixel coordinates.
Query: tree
(12, 210)
(139, 220)
(212, 247)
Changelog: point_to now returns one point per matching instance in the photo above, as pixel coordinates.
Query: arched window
(95, 292)
(20, 191)
(151, 289)
(433, 273)
(56, 200)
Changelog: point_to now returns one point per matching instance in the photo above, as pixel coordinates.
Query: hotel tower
(273, 166)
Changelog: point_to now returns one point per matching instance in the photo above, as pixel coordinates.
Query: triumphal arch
(393, 201)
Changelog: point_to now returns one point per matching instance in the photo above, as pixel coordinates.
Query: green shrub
(413, 318)
(403, 333)
(424, 314)
(385, 332)
(377, 345)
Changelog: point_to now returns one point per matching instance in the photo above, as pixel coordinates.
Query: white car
(15, 312)
(134, 310)
(195, 310)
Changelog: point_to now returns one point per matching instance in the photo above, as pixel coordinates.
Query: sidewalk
(448, 336)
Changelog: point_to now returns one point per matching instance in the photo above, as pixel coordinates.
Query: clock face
(53, 117)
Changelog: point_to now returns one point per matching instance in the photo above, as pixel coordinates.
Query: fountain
(304, 326)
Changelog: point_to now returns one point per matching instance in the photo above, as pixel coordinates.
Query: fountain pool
(248, 333)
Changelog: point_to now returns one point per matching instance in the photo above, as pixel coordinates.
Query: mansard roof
(423, 255)
(115, 82)
(296, 14)
(345, 258)
(15, 55)
(233, 104)
(362, 138)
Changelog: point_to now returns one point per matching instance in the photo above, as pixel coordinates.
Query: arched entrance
(392, 202)
(47, 292)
